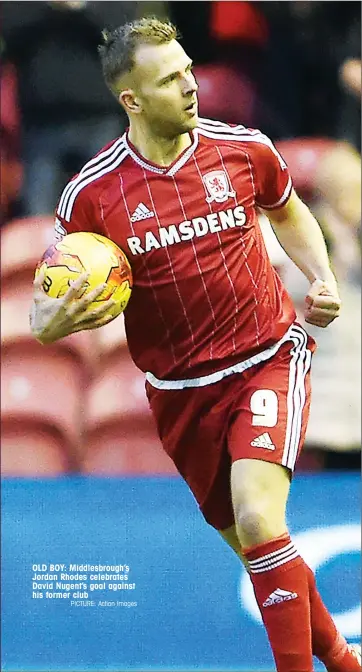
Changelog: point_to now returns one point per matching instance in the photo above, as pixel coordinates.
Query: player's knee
(258, 517)
(254, 526)
(259, 493)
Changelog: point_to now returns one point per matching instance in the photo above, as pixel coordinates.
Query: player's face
(166, 88)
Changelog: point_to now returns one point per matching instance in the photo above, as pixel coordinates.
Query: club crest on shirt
(218, 185)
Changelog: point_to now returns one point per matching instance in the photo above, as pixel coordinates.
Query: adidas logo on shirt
(141, 212)
(279, 596)
(263, 441)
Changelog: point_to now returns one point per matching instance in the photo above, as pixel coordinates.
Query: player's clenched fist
(322, 303)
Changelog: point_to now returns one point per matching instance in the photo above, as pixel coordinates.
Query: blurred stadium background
(84, 479)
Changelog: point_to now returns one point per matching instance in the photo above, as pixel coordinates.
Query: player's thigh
(192, 425)
(265, 436)
(259, 492)
(270, 418)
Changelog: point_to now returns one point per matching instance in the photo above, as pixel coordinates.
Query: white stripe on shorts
(299, 366)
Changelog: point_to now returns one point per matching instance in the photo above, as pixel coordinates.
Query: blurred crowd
(292, 69)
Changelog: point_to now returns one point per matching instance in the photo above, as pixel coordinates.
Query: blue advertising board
(123, 574)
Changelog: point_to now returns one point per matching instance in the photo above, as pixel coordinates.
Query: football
(83, 252)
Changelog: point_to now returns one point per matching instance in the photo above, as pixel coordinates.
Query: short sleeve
(272, 180)
(75, 218)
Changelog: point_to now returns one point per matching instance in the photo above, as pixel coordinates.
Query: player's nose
(190, 86)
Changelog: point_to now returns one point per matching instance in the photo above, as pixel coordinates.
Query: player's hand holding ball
(82, 282)
(322, 303)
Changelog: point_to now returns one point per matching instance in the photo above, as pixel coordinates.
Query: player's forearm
(302, 239)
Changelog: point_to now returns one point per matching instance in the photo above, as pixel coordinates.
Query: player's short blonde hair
(119, 45)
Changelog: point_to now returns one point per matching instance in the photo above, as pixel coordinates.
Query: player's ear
(129, 101)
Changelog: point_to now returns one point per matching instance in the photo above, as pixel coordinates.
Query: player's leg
(265, 437)
(327, 642)
(197, 447)
(230, 536)
(259, 493)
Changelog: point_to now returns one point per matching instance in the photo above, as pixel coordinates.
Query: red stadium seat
(303, 156)
(44, 389)
(11, 178)
(11, 169)
(121, 436)
(23, 242)
(111, 337)
(32, 451)
(16, 297)
(225, 94)
(238, 22)
(10, 111)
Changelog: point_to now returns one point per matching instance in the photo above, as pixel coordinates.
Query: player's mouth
(192, 108)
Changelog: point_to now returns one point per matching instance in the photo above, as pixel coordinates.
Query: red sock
(282, 593)
(328, 644)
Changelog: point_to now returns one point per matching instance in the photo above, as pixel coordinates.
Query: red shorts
(260, 413)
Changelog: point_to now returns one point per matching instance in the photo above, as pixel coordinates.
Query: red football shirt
(205, 293)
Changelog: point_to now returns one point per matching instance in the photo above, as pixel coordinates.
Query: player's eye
(169, 79)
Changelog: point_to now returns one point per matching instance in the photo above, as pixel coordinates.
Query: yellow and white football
(83, 252)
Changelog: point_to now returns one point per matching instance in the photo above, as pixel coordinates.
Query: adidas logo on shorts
(141, 212)
(263, 441)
